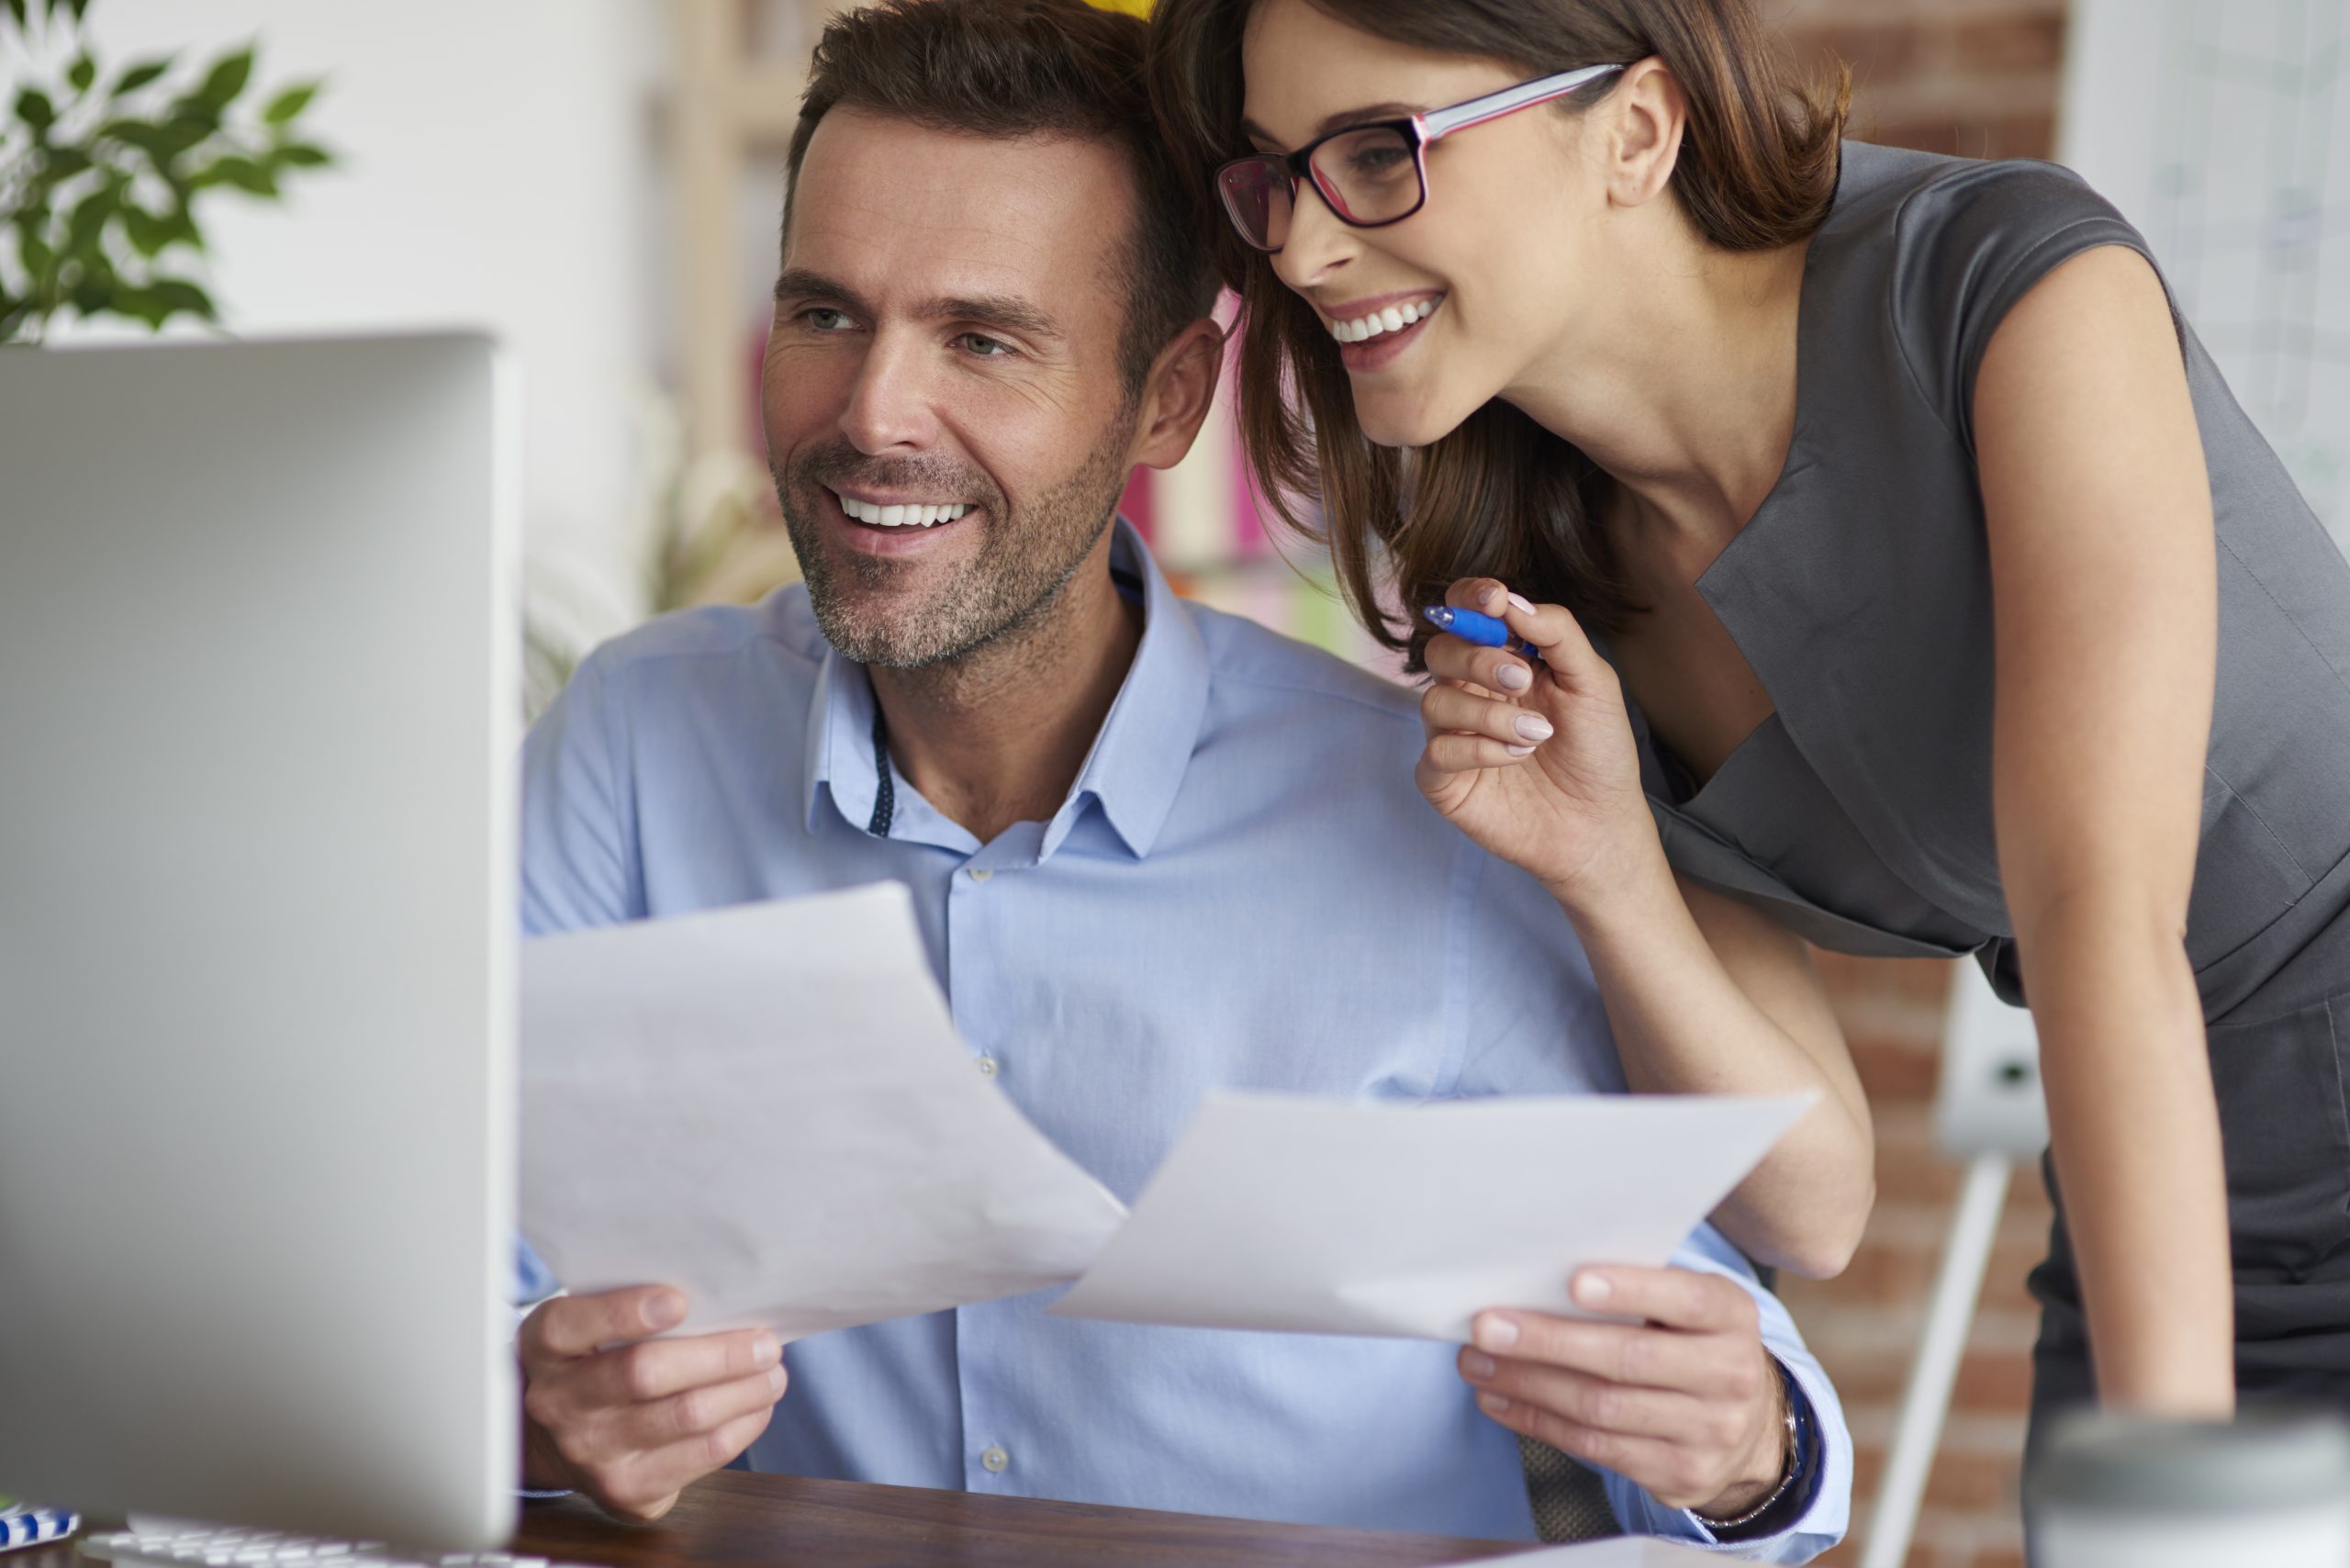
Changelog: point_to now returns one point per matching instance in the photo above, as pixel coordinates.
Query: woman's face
(1489, 263)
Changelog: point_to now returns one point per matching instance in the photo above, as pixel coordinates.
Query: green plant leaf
(180, 297)
(37, 257)
(91, 215)
(34, 110)
(148, 233)
(141, 304)
(238, 171)
(226, 80)
(83, 71)
(64, 162)
(300, 156)
(144, 74)
(291, 102)
(93, 292)
(17, 10)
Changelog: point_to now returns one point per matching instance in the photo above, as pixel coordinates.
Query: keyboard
(173, 1545)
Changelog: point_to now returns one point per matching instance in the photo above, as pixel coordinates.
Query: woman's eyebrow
(1331, 122)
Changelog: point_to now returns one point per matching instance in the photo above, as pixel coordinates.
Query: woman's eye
(984, 346)
(825, 319)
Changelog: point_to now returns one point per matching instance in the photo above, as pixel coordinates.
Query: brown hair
(1500, 496)
(1024, 68)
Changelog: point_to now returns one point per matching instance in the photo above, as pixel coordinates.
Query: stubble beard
(1029, 555)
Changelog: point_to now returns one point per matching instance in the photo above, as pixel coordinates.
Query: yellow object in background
(1131, 8)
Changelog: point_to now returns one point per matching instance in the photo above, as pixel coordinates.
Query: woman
(1883, 539)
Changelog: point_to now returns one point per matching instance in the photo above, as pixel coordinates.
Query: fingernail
(1515, 677)
(1492, 1403)
(664, 1311)
(1592, 1290)
(1477, 1364)
(1520, 602)
(1495, 1333)
(1534, 726)
(1490, 598)
(765, 1350)
(775, 1379)
(1520, 750)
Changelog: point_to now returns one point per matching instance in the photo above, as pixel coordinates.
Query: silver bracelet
(1789, 1470)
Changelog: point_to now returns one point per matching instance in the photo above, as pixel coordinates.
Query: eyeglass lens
(1369, 175)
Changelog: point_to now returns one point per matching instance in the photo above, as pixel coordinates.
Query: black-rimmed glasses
(1370, 175)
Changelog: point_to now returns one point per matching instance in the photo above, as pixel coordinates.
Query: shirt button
(980, 873)
(995, 1459)
(987, 1067)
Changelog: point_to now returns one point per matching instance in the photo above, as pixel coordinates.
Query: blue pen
(1483, 630)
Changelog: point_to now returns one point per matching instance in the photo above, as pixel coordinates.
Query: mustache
(837, 466)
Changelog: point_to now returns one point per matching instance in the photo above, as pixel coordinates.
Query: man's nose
(890, 402)
(1317, 245)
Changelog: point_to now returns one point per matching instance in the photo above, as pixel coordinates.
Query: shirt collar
(1136, 764)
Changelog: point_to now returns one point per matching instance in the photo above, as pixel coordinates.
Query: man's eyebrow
(1003, 311)
(801, 283)
(1329, 123)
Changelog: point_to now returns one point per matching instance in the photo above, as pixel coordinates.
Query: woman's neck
(1682, 386)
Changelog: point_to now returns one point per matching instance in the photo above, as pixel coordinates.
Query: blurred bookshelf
(740, 68)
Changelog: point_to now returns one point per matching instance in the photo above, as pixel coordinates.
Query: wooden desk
(736, 1520)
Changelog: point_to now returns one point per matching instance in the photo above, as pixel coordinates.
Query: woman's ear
(1645, 116)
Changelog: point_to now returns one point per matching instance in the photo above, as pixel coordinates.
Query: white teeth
(1394, 319)
(901, 516)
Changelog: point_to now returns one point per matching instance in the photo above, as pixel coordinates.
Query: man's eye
(825, 319)
(984, 346)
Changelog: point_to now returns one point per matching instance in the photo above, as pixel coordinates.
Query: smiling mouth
(1394, 319)
(910, 514)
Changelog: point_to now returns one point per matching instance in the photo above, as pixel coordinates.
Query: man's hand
(1688, 1405)
(631, 1420)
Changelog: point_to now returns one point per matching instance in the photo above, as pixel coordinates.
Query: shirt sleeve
(580, 866)
(1821, 1521)
(1972, 243)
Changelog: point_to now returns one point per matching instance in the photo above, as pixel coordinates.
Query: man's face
(945, 414)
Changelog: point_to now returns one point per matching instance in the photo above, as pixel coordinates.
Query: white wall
(498, 171)
(2221, 129)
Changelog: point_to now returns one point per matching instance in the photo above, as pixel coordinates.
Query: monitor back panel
(257, 713)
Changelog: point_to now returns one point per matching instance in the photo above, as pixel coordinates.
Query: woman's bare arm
(2103, 569)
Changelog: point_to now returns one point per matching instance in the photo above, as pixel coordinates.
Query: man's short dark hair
(1028, 67)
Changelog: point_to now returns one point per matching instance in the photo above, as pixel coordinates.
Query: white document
(1359, 1217)
(768, 1108)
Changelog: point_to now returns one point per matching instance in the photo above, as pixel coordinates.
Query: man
(1154, 850)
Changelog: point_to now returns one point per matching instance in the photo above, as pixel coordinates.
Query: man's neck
(997, 737)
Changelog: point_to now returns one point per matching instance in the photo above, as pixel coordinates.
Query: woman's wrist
(1622, 875)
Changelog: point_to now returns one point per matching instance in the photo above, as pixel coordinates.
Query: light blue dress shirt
(1243, 890)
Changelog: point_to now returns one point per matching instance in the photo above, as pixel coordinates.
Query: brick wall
(1980, 78)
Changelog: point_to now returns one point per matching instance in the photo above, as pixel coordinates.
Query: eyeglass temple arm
(1492, 105)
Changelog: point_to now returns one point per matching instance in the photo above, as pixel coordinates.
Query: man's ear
(1177, 393)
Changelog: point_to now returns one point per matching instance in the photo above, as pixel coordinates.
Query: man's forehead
(885, 204)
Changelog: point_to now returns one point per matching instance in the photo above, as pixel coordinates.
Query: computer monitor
(258, 715)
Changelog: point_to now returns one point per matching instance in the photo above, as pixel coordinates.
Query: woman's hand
(1533, 761)
(1687, 1405)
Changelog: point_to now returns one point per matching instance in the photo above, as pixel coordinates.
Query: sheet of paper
(1362, 1217)
(768, 1108)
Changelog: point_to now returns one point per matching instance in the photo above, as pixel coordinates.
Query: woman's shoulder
(1906, 197)
(1940, 249)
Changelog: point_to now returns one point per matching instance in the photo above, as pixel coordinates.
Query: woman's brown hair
(1500, 496)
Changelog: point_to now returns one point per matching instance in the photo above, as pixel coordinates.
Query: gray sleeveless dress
(1860, 815)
